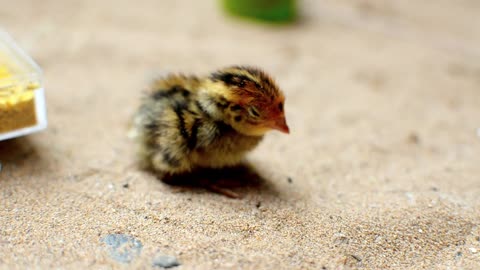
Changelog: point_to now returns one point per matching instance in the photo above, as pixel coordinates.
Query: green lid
(277, 11)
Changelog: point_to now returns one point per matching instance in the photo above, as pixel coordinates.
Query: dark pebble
(258, 204)
(290, 180)
(126, 185)
(458, 255)
(357, 258)
(413, 138)
(165, 261)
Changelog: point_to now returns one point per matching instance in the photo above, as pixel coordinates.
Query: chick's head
(253, 103)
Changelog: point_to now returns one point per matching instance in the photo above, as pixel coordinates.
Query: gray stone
(122, 248)
(165, 261)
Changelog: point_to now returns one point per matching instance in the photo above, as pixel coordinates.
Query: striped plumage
(186, 122)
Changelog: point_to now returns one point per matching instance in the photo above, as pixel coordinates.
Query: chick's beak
(281, 125)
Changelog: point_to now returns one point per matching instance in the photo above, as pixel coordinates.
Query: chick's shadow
(20, 155)
(17, 150)
(234, 182)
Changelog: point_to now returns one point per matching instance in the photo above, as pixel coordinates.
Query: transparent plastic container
(22, 98)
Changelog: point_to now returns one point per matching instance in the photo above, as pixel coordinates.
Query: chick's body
(185, 122)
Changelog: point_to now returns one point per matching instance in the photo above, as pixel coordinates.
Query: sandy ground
(384, 156)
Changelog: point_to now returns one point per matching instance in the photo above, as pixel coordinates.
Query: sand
(383, 159)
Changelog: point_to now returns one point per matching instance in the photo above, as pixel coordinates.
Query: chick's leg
(217, 181)
(223, 191)
(180, 175)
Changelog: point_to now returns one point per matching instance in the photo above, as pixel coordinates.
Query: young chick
(186, 122)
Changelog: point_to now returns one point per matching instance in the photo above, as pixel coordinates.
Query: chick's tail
(133, 128)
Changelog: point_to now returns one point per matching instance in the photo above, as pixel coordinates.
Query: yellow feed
(17, 106)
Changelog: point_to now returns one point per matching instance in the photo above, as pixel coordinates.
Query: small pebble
(258, 204)
(126, 185)
(410, 197)
(473, 250)
(413, 138)
(458, 255)
(340, 239)
(290, 180)
(165, 261)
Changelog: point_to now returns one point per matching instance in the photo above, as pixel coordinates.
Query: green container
(277, 11)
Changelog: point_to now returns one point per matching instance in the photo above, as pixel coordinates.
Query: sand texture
(381, 169)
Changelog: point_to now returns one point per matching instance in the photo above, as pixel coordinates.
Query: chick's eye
(280, 106)
(253, 112)
(238, 81)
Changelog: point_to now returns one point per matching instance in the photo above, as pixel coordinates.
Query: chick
(187, 122)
